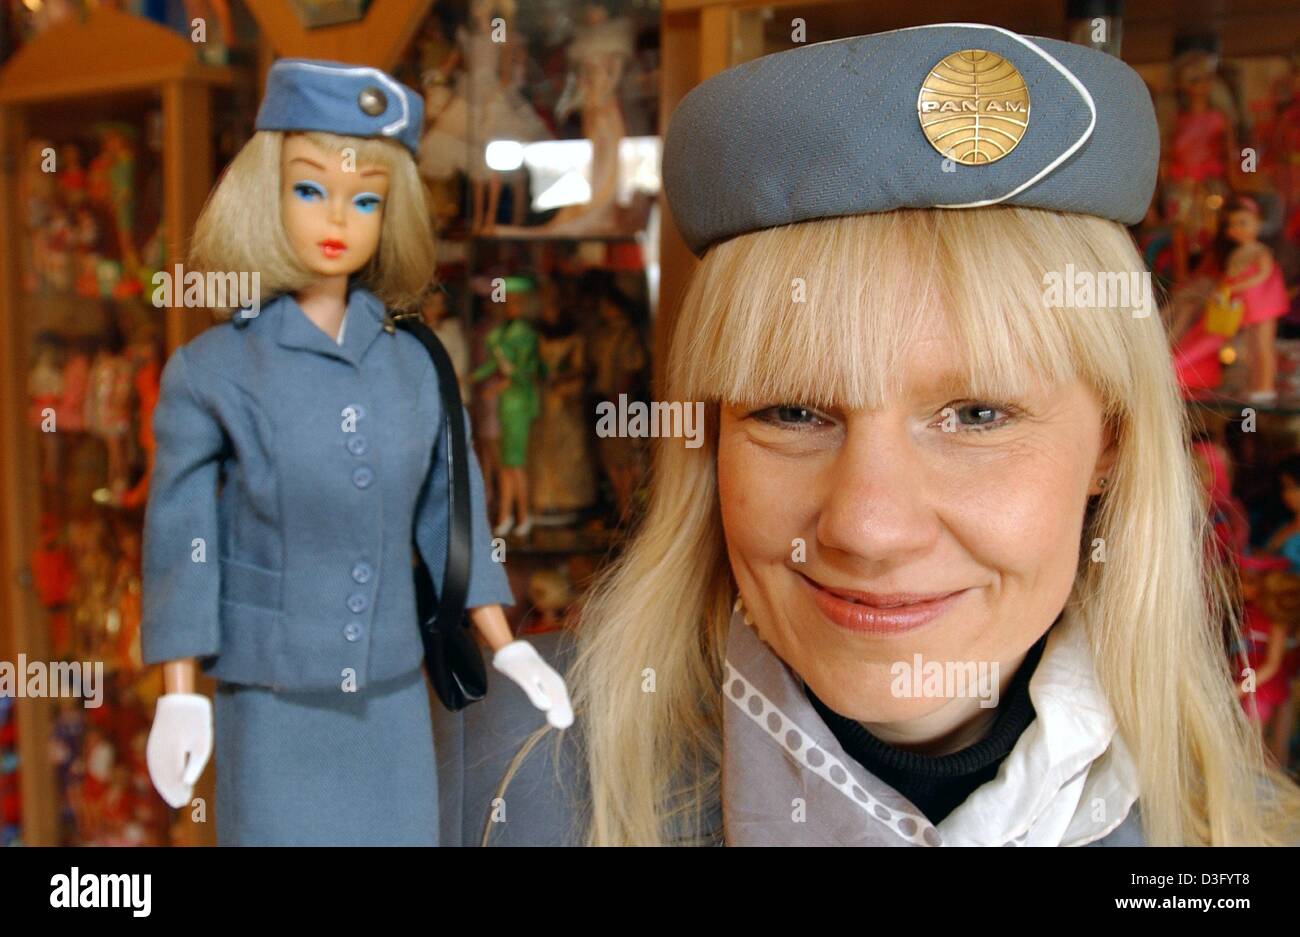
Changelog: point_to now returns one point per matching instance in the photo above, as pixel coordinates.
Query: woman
(914, 460)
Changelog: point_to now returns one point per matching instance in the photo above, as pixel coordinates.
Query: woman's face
(975, 505)
(333, 209)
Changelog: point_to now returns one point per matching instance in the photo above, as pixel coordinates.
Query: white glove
(180, 744)
(520, 661)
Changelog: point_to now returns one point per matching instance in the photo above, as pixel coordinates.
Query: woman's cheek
(1027, 520)
(758, 499)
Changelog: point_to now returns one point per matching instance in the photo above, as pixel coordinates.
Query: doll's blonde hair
(1153, 610)
(241, 228)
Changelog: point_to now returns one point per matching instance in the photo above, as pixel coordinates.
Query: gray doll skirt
(326, 768)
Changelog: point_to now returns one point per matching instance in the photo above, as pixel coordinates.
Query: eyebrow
(373, 171)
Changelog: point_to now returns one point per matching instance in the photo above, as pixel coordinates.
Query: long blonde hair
(241, 229)
(1153, 610)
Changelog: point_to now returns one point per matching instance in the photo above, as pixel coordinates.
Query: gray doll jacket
(289, 476)
(786, 780)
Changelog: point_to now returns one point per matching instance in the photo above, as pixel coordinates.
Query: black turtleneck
(938, 784)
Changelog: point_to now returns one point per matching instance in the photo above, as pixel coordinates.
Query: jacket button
(352, 631)
(361, 573)
(356, 603)
(357, 445)
(362, 476)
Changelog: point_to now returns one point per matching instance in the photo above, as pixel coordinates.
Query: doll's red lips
(332, 248)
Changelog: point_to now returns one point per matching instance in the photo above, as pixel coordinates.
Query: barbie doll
(1252, 275)
(293, 586)
(512, 354)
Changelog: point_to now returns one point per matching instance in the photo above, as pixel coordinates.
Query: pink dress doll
(76, 378)
(1251, 281)
(1253, 277)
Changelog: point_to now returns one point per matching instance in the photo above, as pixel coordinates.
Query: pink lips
(332, 249)
(878, 612)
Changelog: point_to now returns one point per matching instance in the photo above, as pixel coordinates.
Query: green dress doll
(512, 357)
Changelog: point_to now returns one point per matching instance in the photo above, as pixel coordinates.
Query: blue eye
(309, 191)
(976, 415)
(790, 416)
(367, 202)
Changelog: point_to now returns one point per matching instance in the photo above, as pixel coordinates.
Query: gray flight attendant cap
(334, 97)
(957, 115)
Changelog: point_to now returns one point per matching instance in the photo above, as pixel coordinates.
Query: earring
(1101, 482)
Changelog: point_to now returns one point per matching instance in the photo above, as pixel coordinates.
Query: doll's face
(962, 526)
(332, 212)
(516, 304)
(1242, 227)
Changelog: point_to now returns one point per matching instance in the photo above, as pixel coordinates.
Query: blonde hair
(241, 228)
(1153, 611)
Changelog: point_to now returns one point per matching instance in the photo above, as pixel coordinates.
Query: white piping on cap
(393, 87)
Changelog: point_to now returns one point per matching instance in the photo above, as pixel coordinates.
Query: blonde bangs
(831, 308)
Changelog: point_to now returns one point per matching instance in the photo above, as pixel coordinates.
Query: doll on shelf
(619, 361)
(36, 195)
(108, 414)
(322, 423)
(1269, 606)
(487, 105)
(1253, 277)
(511, 348)
(1250, 296)
(561, 473)
(44, 391)
(450, 332)
(1285, 541)
(85, 251)
(112, 184)
(1197, 158)
(147, 375)
(76, 379)
(550, 593)
(600, 50)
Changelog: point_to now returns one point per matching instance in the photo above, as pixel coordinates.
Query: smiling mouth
(879, 612)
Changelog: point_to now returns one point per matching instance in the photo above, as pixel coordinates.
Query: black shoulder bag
(451, 656)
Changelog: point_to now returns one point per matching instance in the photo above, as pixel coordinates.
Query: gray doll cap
(956, 115)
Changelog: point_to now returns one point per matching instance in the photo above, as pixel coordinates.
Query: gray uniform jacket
(544, 804)
(290, 473)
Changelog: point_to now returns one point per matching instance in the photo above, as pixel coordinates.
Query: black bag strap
(455, 579)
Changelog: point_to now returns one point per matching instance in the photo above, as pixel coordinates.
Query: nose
(877, 508)
(338, 212)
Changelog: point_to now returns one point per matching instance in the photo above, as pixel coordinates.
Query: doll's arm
(181, 579)
(484, 370)
(181, 567)
(1263, 273)
(1273, 658)
(488, 584)
(491, 623)
(520, 661)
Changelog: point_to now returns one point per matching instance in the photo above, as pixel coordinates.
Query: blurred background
(540, 157)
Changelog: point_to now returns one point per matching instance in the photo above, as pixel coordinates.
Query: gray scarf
(787, 781)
